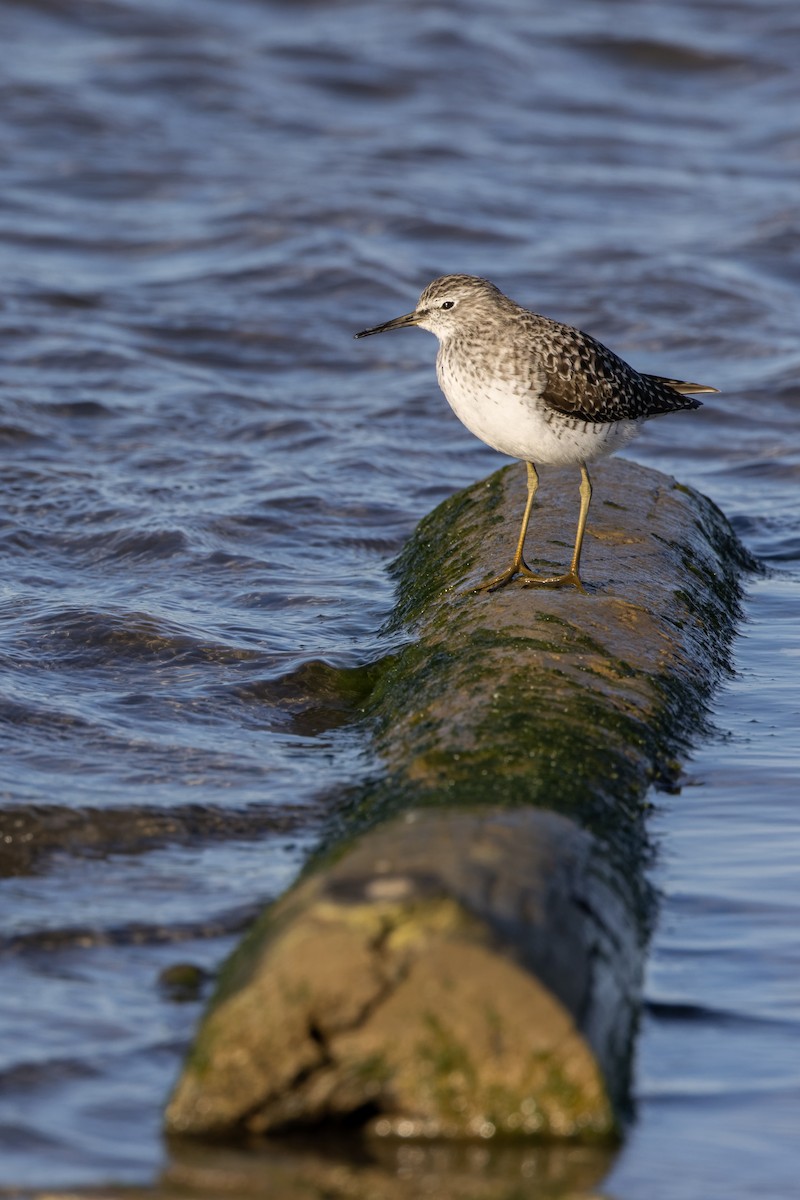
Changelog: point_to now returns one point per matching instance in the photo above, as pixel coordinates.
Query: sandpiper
(537, 390)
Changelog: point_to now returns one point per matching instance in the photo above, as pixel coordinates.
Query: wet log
(466, 960)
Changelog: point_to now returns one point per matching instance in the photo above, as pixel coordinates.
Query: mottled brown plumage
(535, 389)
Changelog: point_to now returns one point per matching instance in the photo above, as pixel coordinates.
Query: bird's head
(449, 306)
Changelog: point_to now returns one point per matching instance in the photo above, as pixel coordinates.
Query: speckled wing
(586, 381)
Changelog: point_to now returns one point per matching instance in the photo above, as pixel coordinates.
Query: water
(204, 479)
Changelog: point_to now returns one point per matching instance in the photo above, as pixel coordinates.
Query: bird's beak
(411, 318)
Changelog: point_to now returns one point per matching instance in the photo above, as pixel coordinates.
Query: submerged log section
(469, 964)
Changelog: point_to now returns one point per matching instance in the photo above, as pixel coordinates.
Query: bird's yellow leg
(586, 500)
(518, 565)
(572, 577)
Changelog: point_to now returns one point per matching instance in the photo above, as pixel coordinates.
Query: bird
(537, 390)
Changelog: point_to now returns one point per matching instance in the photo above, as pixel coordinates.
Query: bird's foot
(571, 579)
(517, 568)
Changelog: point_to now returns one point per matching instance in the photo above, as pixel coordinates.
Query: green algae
(551, 1105)
(572, 724)
(576, 704)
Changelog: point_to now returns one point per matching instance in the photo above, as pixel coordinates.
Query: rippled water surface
(204, 480)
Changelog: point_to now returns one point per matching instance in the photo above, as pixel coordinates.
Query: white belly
(520, 426)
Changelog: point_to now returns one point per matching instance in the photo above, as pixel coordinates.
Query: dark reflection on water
(395, 1170)
(204, 480)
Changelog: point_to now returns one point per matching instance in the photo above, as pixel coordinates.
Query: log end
(452, 975)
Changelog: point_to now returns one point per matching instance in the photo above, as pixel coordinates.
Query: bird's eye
(447, 303)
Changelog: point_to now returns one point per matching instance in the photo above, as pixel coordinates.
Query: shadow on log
(470, 963)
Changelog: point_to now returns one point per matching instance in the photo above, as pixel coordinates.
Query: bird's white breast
(510, 416)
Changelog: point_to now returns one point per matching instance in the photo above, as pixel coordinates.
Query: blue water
(204, 480)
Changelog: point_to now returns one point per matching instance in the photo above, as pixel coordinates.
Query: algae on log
(547, 697)
(475, 969)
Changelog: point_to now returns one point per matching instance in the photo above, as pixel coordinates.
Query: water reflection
(404, 1171)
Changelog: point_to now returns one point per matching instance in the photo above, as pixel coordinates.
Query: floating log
(465, 959)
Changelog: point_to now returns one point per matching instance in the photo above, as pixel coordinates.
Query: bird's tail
(678, 385)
